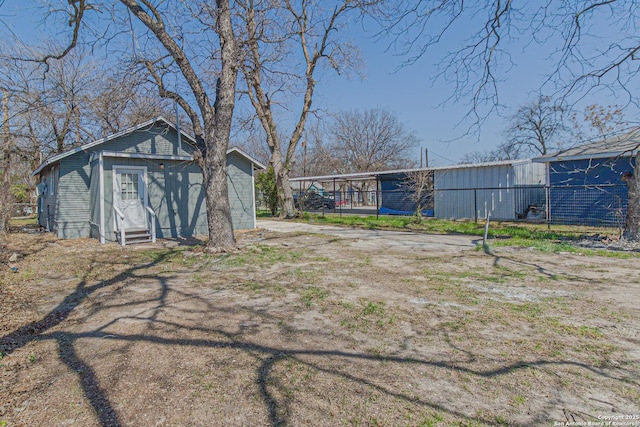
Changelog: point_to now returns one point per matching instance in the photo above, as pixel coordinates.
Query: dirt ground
(315, 325)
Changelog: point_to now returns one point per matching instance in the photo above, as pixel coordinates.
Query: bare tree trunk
(214, 168)
(314, 47)
(212, 135)
(216, 131)
(632, 221)
(285, 192)
(5, 192)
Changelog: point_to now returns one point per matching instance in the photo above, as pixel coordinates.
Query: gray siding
(241, 196)
(458, 197)
(530, 173)
(158, 140)
(73, 202)
(175, 194)
(475, 191)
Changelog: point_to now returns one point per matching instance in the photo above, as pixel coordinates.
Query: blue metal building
(586, 183)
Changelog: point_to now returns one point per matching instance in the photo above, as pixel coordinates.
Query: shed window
(52, 181)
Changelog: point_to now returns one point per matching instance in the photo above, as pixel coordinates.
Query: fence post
(485, 246)
(475, 204)
(547, 195)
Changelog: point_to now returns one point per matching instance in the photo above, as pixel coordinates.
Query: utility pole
(304, 158)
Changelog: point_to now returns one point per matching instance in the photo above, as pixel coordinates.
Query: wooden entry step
(135, 235)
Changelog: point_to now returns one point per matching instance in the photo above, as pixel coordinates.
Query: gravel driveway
(383, 239)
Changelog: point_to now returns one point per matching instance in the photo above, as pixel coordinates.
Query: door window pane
(129, 186)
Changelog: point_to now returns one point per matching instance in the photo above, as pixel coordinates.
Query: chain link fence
(599, 205)
(23, 209)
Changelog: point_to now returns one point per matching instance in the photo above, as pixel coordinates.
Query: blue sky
(417, 97)
(410, 92)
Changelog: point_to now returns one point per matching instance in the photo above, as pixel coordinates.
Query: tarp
(387, 211)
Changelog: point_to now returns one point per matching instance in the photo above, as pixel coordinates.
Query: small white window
(52, 181)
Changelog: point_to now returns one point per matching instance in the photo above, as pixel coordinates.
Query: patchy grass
(30, 222)
(561, 247)
(497, 229)
(501, 234)
(313, 294)
(289, 331)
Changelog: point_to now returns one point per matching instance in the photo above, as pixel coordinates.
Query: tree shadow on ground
(268, 357)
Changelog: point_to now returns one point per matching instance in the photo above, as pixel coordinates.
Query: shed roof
(626, 144)
(151, 122)
(353, 176)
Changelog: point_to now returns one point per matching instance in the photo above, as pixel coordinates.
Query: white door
(130, 196)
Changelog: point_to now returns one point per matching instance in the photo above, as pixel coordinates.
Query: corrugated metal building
(503, 190)
(587, 185)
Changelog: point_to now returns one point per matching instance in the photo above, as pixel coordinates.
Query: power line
(441, 156)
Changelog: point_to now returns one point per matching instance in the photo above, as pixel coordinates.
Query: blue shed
(397, 197)
(585, 182)
(136, 185)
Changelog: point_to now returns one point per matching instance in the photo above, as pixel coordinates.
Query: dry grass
(306, 329)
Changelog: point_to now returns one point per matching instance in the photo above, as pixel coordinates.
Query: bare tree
(504, 151)
(591, 46)
(7, 146)
(320, 160)
(371, 140)
(536, 128)
(418, 187)
(160, 39)
(124, 99)
(599, 122)
(540, 127)
(273, 31)
(50, 101)
(367, 141)
(211, 121)
(65, 92)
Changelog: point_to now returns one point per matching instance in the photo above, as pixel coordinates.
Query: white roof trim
(357, 175)
(608, 155)
(85, 147)
(372, 175)
(123, 154)
(614, 146)
(485, 165)
(251, 159)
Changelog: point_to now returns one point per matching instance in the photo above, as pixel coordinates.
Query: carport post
(350, 189)
(377, 196)
(334, 197)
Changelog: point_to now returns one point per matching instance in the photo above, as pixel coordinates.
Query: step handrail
(120, 215)
(152, 220)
